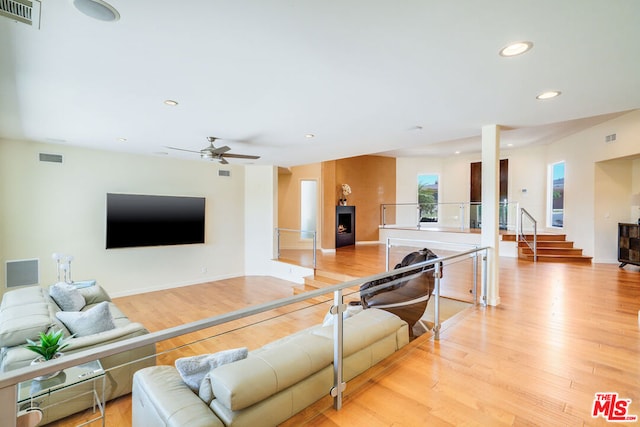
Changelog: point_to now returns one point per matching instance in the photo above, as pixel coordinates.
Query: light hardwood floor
(562, 333)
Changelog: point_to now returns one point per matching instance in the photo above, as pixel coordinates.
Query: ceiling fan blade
(241, 156)
(182, 149)
(219, 150)
(223, 161)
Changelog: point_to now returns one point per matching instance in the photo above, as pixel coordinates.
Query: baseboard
(327, 251)
(369, 242)
(166, 286)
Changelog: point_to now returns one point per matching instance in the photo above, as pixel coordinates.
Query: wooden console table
(628, 244)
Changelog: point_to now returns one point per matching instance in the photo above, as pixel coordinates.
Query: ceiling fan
(219, 153)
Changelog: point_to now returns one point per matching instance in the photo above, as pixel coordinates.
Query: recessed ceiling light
(457, 152)
(309, 135)
(549, 94)
(509, 145)
(122, 139)
(171, 102)
(97, 9)
(514, 49)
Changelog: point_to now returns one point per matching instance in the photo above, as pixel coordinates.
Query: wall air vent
(25, 11)
(52, 158)
(22, 272)
(610, 138)
(222, 172)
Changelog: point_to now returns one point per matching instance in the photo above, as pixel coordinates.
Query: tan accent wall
(328, 206)
(373, 182)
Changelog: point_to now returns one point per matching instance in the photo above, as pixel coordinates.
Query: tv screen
(144, 220)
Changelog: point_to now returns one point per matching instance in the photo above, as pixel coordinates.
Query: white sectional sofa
(273, 383)
(26, 312)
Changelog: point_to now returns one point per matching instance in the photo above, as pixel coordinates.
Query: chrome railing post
(338, 384)
(535, 241)
(475, 278)
(436, 309)
(461, 216)
(384, 215)
(315, 234)
(418, 226)
(485, 284)
(387, 255)
(277, 243)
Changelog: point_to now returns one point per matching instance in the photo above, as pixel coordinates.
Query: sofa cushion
(265, 373)
(83, 323)
(193, 369)
(94, 294)
(160, 398)
(23, 296)
(67, 296)
(363, 329)
(18, 323)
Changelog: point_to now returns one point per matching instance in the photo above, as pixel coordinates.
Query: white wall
(590, 220)
(455, 171)
(581, 151)
(261, 210)
(612, 186)
(49, 207)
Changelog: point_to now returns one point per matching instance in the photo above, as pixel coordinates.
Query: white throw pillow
(82, 323)
(193, 369)
(67, 296)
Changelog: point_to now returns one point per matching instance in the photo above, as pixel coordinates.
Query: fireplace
(345, 225)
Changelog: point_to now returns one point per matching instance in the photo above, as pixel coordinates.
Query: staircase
(322, 279)
(551, 248)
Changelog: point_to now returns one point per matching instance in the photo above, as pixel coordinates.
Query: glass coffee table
(79, 387)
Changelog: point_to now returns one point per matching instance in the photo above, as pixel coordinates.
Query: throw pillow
(82, 323)
(67, 296)
(194, 369)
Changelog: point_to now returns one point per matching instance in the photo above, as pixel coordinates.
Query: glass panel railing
(326, 325)
(453, 216)
(296, 246)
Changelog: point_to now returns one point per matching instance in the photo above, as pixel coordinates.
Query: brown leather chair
(406, 294)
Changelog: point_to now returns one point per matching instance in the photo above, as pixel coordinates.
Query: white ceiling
(411, 77)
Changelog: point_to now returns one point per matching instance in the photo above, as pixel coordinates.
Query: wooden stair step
(541, 237)
(548, 244)
(547, 237)
(551, 251)
(560, 258)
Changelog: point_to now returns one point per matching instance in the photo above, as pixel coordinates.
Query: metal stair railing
(523, 238)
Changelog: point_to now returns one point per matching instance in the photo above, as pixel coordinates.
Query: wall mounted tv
(144, 220)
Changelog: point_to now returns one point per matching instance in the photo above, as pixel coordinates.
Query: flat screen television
(135, 220)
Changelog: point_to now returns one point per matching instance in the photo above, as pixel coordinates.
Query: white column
(490, 207)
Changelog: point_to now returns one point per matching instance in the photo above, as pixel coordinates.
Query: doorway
(308, 207)
(475, 195)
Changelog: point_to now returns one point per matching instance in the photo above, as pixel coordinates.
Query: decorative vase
(343, 202)
(40, 359)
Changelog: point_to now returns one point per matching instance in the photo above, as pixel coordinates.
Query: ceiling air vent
(222, 172)
(25, 11)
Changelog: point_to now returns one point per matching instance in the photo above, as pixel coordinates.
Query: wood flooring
(562, 333)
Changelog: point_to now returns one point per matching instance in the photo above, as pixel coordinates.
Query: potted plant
(50, 347)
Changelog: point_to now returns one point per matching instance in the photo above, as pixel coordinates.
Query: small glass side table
(68, 388)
